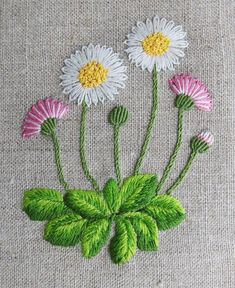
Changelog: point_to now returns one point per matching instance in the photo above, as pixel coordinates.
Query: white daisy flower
(93, 74)
(156, 42)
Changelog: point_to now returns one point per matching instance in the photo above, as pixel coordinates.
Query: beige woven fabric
(35, 38)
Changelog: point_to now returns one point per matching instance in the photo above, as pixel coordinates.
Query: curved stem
(183, 173)
(82, 148)
(173, 157)
(150, 125)
(117, 154)
(57, 150)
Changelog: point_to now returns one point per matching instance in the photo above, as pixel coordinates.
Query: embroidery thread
(93, 74)
(42, 118)
(155, 45)
(133, 205)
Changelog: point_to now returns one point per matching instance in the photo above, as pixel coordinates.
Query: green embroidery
(118, 117)
(137, 191)
(166, 210)
(82, 149)
(44, 204)
(146, 230)
(112, 195)
(132, 206)
(94, 236)
(124, 243)
(151, 124)
(65, 230)
(87, 216)
(88, 204)
(199, 146)
(183, 173)
(184, 102)
(175, 154)
(58, 162)
(49, 129)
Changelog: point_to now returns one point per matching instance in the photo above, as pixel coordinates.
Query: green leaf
(95, 236)
(44, 204)
(137, 191)
(166, 210)
(146, 230)
(89, 204)
(65, 230)
(112, 195)
(124, 243)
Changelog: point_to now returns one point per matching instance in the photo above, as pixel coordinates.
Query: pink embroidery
(206, 137)
(43, 110)
(192, 87)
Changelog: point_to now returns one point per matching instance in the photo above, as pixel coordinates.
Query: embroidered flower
(191, 91)
(41, 118)
(202, 142)
(93, 74)
(156, 42)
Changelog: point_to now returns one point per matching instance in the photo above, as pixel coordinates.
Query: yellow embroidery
(92, 74)
(156, 44)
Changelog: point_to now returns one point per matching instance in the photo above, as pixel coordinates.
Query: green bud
(118, 116)
(202, 142)
(198, 145)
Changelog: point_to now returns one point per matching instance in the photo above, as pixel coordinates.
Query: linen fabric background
(36, 36)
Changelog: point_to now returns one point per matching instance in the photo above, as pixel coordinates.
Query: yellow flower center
(156, 44)
(92, 75)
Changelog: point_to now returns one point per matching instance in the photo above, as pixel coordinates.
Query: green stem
(117, 153)
(183, 173)
(173, 157)
(57, 150)
(83, 146)
(149, 131)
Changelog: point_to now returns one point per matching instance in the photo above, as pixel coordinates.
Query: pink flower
(187, 85)
(202, 142)
(206, 137)
(44, 109)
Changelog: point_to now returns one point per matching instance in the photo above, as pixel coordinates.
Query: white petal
(162, 24)
(177, 52)
(68, 76)
(68, 70)
(156, 24)
(149, 25)
(68, 89)
(76, 92)
(68, 82)
(93, 96)
(168, 27)
(88, 100)
(69, 63)
(81, 98)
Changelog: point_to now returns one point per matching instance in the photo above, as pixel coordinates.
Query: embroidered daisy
(156, 42)
(202, 142)
(93, 74)
(190, 92)
(41, 118)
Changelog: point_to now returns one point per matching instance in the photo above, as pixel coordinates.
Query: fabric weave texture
(35, 37)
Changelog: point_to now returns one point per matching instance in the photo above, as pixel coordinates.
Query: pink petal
(27, 135)
(48, 107)
(42, 109)
(33, 120)
(34, 110)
